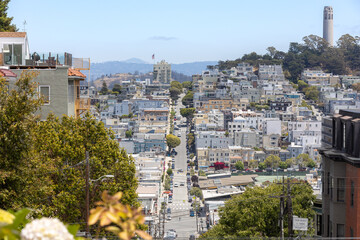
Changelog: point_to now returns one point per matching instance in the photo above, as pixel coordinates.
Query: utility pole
(282, 212)
(289, 208)
(87, 191)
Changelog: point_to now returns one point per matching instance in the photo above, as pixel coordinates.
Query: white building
(271, 126)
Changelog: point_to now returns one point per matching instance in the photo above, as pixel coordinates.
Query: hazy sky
(175, 30)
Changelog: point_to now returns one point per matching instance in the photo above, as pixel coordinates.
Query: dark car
(303, 169)
(258, 170)
(173, 166)
(280, 170)
(169, 210)
(269, 170)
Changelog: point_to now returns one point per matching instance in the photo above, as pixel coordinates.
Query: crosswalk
(180, 206)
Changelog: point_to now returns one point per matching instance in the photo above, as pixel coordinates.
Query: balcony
(82, 105)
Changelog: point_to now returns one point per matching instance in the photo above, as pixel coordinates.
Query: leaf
(20, 217)
(73, 229)
(95, 215)
(113, 229)
(143, 234)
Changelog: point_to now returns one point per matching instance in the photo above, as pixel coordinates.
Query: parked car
(182, 184)
(258, 170)
(192, 213)
(168, 217)
(302, 169)
(280, 170)
(269, 170)
(170, 200)
(180, 170)
(173, 166)
(176, 185)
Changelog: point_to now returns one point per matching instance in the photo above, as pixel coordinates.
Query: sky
(177, 31)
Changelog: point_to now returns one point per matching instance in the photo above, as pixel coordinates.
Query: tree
(176, 84)
(239, 165)
(226, 134)
(195, 191)
(262, 166)
(174, 93)
(62, 145)
(272, 161)
(172, 141)
(302, 85)
(129, 133)
(5, 21)
(188, 99)
(104, 90)
(312, 93)
(289, 162)
(169, 171)
(253, 164)
(303, 160)
(255, 213)
(187, 113)
(187, 85)
(117, 88)
(356, 87)
(282, 165)
(17, 122)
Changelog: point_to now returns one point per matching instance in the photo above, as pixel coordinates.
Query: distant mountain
(136, 66)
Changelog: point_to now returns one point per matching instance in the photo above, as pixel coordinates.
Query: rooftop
(12, 34)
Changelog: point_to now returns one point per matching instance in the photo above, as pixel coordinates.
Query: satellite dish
(35, 57)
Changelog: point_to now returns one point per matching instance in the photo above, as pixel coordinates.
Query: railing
(82, 104)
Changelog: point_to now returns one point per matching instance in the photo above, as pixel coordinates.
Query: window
(340, 230)
(44, 92)
(340, 190)
(12, 54)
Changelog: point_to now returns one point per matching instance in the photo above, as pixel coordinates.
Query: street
(180, 207)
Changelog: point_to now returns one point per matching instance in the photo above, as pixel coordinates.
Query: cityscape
(266, 145)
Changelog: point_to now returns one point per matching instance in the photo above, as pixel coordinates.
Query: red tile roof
(75, 73)
(13, 34)
(6, 73)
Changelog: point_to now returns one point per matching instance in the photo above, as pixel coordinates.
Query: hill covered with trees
(314, 53)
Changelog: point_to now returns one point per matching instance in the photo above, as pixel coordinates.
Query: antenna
(24, 23)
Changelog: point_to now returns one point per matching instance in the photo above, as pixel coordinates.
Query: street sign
(300, 224)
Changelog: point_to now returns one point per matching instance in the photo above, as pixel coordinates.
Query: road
(180, 207)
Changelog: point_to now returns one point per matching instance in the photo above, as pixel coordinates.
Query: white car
(176, 185)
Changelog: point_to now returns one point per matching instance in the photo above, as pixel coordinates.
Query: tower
(328, 29)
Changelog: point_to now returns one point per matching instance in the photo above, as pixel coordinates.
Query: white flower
(46, 229)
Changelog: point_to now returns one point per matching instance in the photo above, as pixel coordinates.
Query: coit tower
(328, 31)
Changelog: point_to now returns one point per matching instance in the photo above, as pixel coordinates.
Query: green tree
(312, 93)
(62, 146)
(5, 21)
(303, 159)
(195, 191)
(187, 113)
(17, 122)
(117, 88)
(289, 162)
(255, 213)
(272, 161)
(169, 171)
(239, 165)
(172, 141)
(129, 133)
(253, 163)
(188, 99)
(104, 90)
(177, 85)
(187, 85)
(174, 93)
(262, 166)
(282, 165)
(302, 85)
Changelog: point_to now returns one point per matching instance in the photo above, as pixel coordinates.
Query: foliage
(192, 172)
(255, 213)
(202, 173)
(239, 165)
(129, 133)
(272, 161)
(17, 121)
(5, 21)
(188, 99)
(283, 165)
(312, 93)
(117, 88)
(187, 113)
(187, 85)
(191, 141)
(177, 85)
(167, 182)
(174, 93)
(256, 149)
(104, 89)
(262, 166)
(226, 134)
(127, 219)
(195, 191)
(260, 107)
(253, 164)
(289, 162)
(191, 156)
(169, 171)
(304, 160)
(356, 87)
(304, 104)
(63, 144)
(172, 141)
